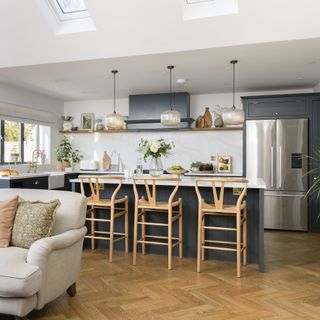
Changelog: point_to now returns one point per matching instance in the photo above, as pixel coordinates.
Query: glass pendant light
(170, 118)
(233, 116)
(114, 120)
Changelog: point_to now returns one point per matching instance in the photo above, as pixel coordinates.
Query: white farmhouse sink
(56, 180)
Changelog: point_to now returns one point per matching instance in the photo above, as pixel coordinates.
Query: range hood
(145, 110)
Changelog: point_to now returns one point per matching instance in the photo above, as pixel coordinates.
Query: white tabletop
(184, 182)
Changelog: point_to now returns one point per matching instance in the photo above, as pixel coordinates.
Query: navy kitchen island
(255, 196)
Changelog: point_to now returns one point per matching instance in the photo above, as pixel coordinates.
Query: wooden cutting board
(106, 161)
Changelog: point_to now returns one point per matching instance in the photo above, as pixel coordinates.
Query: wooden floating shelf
(93, 131)
(141, 130)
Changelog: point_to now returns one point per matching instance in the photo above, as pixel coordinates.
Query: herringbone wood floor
(290, 288)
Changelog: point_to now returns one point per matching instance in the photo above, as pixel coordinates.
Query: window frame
(67, 16)
(21, 142)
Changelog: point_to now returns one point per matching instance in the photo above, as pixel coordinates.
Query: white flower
(154, 147)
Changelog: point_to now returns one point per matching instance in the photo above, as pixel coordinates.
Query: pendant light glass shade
(114, 120)
(171, 117)
(233, 116)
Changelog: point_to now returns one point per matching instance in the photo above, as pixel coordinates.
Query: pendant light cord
(170, 68)
(233, 62)
(114, 90)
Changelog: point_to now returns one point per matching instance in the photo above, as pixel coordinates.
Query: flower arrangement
(155, 149)
(39, 154)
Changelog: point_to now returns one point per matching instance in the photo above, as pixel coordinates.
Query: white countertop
(25, 176)
(186, 182)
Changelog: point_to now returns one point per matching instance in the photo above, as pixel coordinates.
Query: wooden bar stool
(173, 209)
(218, 208)
(116, 206)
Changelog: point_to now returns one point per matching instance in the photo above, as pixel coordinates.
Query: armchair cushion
(7, 213)
(17, 277)
(34, 220)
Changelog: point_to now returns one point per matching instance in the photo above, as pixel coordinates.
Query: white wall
(190, 146)
(20, 99)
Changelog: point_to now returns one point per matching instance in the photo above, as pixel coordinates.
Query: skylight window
(197, 1)
(69, 9)
(198, 9)
(71, 6)
(67, 16)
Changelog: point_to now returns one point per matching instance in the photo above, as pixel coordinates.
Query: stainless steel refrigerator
(276, 152)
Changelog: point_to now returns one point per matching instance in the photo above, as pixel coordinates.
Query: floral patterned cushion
(34, 220)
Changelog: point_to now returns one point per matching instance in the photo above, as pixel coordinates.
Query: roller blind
(9, 111)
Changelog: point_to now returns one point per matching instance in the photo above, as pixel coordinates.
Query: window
(71, 6)
(66, 16)
(20, 140)
(69, 9)
(12, 138)
(198, 9)
(29, 141)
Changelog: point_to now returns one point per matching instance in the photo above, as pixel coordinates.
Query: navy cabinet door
(272, 108)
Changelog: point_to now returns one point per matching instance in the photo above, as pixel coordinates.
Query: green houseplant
(314, 189)
(66, 154)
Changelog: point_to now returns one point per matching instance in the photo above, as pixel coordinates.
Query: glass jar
(99, 125)
(156, 167)
(139, 167)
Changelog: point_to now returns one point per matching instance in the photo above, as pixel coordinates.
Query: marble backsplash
(189, 146)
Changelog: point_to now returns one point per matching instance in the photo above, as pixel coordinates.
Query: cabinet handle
(37, 182)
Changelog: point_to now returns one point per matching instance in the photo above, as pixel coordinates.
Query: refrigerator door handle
(272, 168)
(279, 167)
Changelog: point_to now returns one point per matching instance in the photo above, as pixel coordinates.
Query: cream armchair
(31, 278)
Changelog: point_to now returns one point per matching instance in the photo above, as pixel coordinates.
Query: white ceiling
(137, 27)
(262, 67)
(276, 42)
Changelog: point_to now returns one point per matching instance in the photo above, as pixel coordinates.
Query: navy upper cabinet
(275, 107)
(145, 110)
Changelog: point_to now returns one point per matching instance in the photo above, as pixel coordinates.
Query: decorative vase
(65, 164)
(156, 167)
(218, 122)
(207, 118)
(200, 122)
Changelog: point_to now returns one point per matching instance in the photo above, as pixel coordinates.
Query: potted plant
(314, 189)
(66, 154)
(155, 150)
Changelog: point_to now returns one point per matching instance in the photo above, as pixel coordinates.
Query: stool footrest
(223, 242)
(97, 219)
(218, 248)
(153, 224)
(157, 242)
(96, 237)
(108, 232)
(159, 237)
(219, 228)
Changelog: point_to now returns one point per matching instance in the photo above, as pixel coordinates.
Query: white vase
(155, 167)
